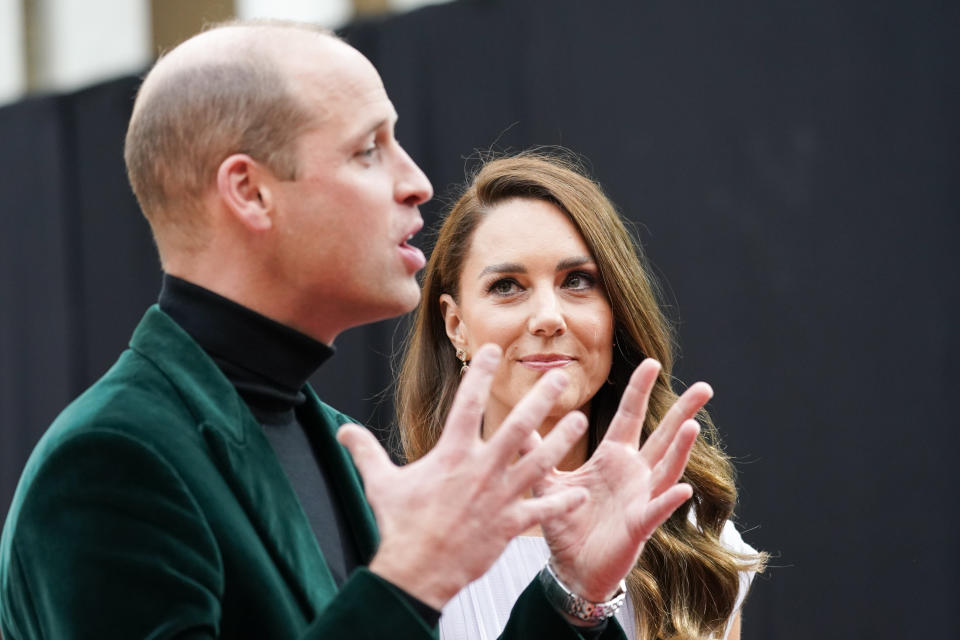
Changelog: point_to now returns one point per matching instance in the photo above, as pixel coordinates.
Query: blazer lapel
(323, 423)
(243, 456)
(261, 486)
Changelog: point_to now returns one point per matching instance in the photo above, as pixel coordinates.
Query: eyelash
(589, 279)
(496, 284)
(369, 151)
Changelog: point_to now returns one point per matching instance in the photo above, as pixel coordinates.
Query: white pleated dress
(481, 610)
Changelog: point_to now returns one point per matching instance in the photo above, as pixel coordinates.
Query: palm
(593, 541)
(632, 490)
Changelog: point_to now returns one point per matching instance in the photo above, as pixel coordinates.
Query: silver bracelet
(566, 601)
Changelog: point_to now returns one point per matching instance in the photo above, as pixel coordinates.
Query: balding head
(232, 89)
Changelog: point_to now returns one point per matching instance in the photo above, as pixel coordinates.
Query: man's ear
(453, 322)
(245, 188)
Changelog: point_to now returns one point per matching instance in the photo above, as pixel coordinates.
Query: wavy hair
(685, 583)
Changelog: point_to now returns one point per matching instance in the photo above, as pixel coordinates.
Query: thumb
(365, 449)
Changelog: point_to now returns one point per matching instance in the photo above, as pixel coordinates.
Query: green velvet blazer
(154, 507)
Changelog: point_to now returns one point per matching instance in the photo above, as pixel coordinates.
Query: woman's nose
(546, 317)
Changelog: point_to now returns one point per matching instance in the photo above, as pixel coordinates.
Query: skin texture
(336, 232)
(354, 202)
(529, 285)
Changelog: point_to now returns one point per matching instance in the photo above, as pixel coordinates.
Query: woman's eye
(504, 287)
(579, 280)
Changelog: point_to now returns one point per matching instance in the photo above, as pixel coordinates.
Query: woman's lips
(546, 361)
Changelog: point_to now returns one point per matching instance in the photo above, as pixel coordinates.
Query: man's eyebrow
(503, 267)
(375, 127)
(365, 132)
(570, 263)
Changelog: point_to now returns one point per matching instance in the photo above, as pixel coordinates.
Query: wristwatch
(560, 596)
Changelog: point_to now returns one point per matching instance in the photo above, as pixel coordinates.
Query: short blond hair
(194, 116)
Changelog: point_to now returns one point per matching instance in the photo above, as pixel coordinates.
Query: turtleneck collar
(268, 362)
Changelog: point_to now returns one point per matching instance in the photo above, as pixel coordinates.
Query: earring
(463, 358)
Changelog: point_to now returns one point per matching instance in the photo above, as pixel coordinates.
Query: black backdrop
(792, 169)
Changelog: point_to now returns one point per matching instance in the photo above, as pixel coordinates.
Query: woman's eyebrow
(516, 267)
(503, 267)
(570, 263)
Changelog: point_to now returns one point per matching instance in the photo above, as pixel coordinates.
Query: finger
(643, 517)
(368, 455)
(670, 468)
(526, 416)
(627, 424)
(466, 412)
(527, 513)
(533, 441)
(539, 462)
(683, 409)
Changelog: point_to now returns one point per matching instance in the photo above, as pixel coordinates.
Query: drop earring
(463, 358)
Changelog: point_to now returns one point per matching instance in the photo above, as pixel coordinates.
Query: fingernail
(559, 380)
(582, 423)
(578, 424)
(488, 354)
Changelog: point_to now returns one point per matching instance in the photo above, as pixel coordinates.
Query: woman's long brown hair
(685, 583)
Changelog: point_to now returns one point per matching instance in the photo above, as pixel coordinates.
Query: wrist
(591, 588)
(430, 586)
(577, 609)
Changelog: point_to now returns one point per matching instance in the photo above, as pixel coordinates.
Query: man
(198, 489)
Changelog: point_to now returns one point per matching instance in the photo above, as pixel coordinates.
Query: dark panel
(38, 350)
(120, 271)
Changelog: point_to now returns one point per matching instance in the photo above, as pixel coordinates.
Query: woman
(535, 258)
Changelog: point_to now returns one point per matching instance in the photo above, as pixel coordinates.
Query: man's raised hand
(447, 517)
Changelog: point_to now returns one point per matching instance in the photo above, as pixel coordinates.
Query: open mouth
(413, 258)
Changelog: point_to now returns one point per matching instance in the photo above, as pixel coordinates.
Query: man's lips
(412, 256)
(544, 361)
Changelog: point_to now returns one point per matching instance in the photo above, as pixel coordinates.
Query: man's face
(345, 220)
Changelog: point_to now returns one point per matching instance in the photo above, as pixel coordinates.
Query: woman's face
(530, 285)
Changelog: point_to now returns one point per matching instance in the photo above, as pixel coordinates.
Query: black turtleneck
(269, 364)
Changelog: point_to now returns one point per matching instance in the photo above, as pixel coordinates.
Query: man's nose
(546, 316)
(412, 186)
